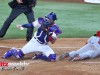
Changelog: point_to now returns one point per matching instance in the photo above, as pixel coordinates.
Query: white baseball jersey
(39, 42)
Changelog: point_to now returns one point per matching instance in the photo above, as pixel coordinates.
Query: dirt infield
(40, 67)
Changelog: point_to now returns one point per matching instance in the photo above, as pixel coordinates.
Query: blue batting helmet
(51, 16)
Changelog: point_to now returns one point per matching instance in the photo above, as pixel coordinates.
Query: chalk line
(51, 47)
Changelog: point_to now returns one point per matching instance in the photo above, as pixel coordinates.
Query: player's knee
(90, 54)
(17, 53)
(52, 57)
(20, 53)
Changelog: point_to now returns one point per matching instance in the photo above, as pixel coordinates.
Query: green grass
(74, 19)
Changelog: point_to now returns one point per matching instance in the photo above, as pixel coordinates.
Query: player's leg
(69, 55)
(51, 57)
(73, 54)
(28, 48)
(14, 13)
(30, 16)
(88, 54)
(63, 56)
(31, 46)
(85, 55)
(96, 54)
(42, 57)
(47, 53)
(13, 52)
(83, 49)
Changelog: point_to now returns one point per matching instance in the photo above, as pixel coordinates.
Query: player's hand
(19, 1)
(19, 27)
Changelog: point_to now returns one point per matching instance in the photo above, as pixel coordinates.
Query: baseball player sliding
(90, 50)
(47, 32)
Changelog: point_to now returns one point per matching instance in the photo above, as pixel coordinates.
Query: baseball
(21, 28)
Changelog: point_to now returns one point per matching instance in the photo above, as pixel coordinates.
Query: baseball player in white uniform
(47, 32)
(90, 50)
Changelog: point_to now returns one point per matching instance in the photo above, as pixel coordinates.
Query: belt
(38, 40)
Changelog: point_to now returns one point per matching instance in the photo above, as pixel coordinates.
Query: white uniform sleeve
(89, 40)
(36, 24)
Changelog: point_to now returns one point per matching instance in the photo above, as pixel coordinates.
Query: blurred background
(76, 18)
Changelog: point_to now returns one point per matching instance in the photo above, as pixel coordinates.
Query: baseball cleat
(63, 56)
(34, 57)
(74, 58)
(37, 55)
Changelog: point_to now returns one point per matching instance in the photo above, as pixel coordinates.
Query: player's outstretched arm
(34, 24)
(21, 27)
